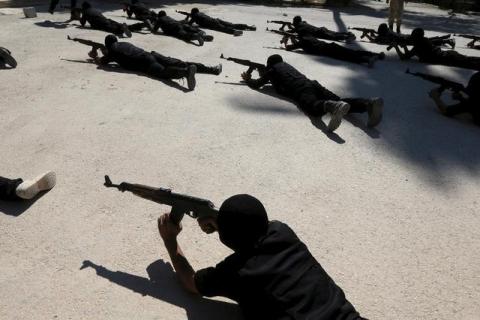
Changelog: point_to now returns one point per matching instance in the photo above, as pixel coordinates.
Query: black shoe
(217, 69)
(237, 33)
(375, 112)
(252, 28)
(126, 31)
(207, 38)
(191, 83)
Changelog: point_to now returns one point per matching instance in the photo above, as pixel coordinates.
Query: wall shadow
(163, 285)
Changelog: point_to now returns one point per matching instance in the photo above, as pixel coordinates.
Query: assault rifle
(93, 44)
(286, 35)
(283, 23)
(185, 13)
(474, 39)
(365, 32)
(181, 204)
(261, 68)
(444, 83)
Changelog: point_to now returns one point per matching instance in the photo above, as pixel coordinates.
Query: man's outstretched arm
(169, 232)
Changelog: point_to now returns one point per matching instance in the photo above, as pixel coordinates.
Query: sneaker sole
(30, 188)
(337, 117)
(191, 82)
(377, 114)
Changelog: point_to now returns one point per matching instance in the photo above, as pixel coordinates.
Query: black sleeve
(218, 280)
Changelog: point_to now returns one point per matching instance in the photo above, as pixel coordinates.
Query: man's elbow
(189, 285)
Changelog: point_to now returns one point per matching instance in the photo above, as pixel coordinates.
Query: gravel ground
(392, 213)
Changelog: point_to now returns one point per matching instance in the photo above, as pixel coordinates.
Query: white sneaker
(375, 111)
(127, 31)
(30, 188)
(337, 109)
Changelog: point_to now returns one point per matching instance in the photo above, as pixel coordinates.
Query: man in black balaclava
(303, 28)
(207, 22)
(428, 52)
(311, 97)
(99, 22)
(466, 104)
(271, 273)
(134, 58)
(387, 37)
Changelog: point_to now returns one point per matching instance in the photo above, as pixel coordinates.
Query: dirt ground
(392, 213)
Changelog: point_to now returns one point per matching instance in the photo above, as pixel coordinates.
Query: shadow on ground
(163, 285)
(16, 208)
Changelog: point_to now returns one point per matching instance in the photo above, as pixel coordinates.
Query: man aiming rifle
(312, 45)
(180, 29)
(468, 97)
(271, 273)
(310, 96)
(427, 52)
(207, 22)
(302, 28)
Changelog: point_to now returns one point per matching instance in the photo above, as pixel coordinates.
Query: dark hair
(110, 40)
(417, 34)
(297, 20)
(162, 13)
(194, 11)
(242, 220)
(383, 29)
(86, 5)
(274, 59)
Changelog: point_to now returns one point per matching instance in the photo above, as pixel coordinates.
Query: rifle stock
(283, 23)
(181, 204)
(365, 31)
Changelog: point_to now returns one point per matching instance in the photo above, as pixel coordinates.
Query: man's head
(242, 220)
(273, 60)
(297, 20)
(383, 29)
(417, 34)
(161, 13)
(110, 40)
(86, 5)
(194, 11)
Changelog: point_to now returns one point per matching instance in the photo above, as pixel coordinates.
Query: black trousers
(339, 52)
(173, 62)
(183, 32)
(157, 70)
(455, 59)
(217, 25)
(8, 187)
(312, 100)
(324, 33)
(114, 27)
(236, 26)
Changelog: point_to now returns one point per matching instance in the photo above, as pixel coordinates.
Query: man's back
(167, 24)
(304, 28)
(202, 19)
(312, 45)
(287, 80)
(279, 279)
(128, 56)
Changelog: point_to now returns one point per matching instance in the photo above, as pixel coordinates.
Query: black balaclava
(110, 40)
(242, 220)
(417, 34)
(383, 29)
(194, 11)
(161, 13)
(297, 20)
(86, 5)
(273, 60)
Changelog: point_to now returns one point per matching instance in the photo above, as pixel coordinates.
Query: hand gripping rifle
(444, 83)
(365, 32)
(181, 204)
(286, 35)
(283, 23)
(471, 44)
(261, 68)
